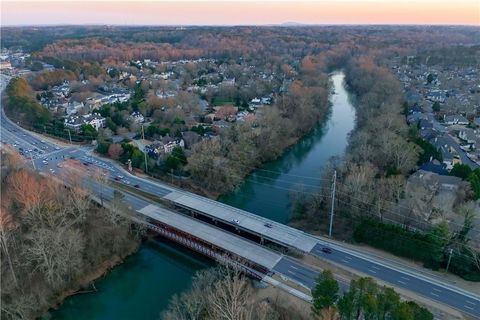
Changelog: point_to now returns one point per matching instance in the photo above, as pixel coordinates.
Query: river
(141, 287)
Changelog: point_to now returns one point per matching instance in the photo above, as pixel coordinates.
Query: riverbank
(86, 281)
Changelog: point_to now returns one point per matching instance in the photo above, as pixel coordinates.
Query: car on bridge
(268, 225)
(236, 221)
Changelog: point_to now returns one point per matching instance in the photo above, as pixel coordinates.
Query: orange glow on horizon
(464, 12)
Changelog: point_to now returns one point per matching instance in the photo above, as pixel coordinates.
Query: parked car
(236, 221)
(268, 225)
(137, 186)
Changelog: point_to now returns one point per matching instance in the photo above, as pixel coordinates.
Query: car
(137, 186)
(59, 165)
(236, 221)
(116, 179)
(126, 181)
(57, 148)
(327, 250)
(268, 225)
(45, 162)
(120, 177)
(43, 141)
(85, 163)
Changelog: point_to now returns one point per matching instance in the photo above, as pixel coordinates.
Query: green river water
(141, 287)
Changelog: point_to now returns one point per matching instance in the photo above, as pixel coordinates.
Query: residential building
(75, 122)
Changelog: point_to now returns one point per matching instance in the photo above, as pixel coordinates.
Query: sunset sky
(240, 12)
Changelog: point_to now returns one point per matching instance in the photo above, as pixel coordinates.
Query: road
(49, 156)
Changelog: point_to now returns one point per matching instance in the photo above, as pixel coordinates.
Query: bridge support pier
(262, 241)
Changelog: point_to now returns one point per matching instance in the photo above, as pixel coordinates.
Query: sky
(239, 12)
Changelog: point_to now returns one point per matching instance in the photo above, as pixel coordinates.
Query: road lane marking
(345, 261)
(372, 271)
(468, 307)
(400, 281)
(473, 303)
(434, 294)
(375, 267)
(290, 271)
(349, 258)
(293, 267)
(438, 290)
(405, 278)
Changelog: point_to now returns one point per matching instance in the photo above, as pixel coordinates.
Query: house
(137, 117)
(168, 147)
(456, 119)
(415, 117)
(75, 122)
(469, 135)
(436, 96)
(435, 166)
(166, 94)
(446, 148)
(435, 182)
(74, 107)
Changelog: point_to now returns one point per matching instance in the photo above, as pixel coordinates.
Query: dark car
(327, 250)
(85, 163)
(116, 178)
(268, 225)
(137, 186)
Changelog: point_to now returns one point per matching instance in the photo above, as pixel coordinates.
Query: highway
(49, 156)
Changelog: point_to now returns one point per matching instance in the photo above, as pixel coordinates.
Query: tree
(430, 78)
(89, 131)
(325, 293)
(439, 238)
(460, 170)
(115, 150)
(229, 299)
(436, 106)
(474, 179)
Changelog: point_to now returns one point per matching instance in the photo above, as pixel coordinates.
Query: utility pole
(144, 152)
(69, 136)
(449, 258)
(333, 202)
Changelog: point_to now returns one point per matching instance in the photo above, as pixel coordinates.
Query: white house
(75, 122)
(137, 117)
(168, 147)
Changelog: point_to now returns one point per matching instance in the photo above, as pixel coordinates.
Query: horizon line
(288, 24)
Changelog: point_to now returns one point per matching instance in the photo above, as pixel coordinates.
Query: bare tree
(230, 298)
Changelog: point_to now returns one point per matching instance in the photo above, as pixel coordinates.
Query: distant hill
(292, 24)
